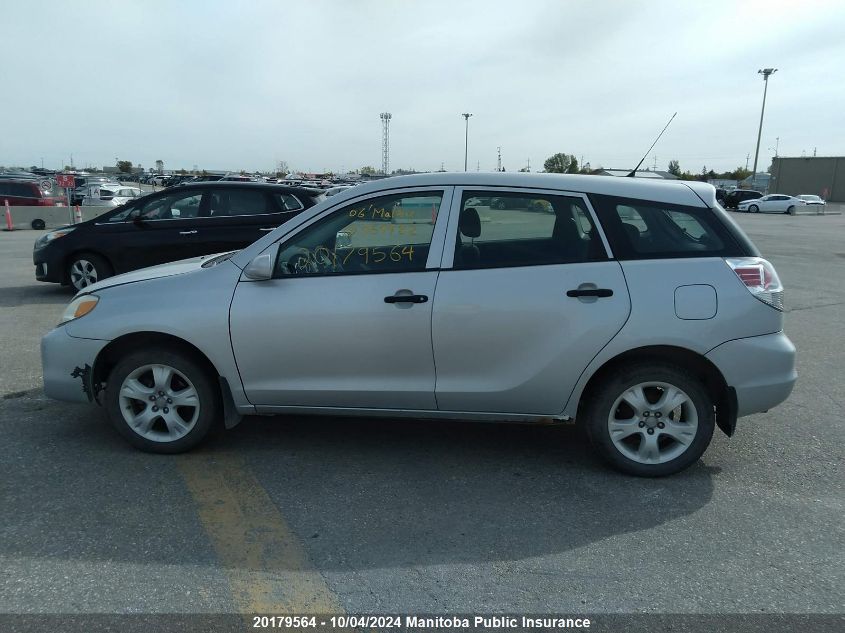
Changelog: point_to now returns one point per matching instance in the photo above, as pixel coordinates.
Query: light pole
(466, 116)
(766, 72)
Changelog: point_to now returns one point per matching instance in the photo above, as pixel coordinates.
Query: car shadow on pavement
(384, 493)
(359, 493)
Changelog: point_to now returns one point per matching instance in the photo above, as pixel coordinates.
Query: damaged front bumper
(66, 363)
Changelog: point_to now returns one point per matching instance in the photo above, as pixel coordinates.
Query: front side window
(639, 229)
(510, 229)
(378, 235)
(181, 205)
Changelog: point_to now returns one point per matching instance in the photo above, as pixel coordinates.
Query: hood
(153, 272)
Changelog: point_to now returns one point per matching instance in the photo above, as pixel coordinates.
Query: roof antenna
(633, 173)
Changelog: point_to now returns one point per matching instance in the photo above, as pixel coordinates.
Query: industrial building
(823, 176)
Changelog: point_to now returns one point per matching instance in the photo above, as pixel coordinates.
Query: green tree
(561, 163)
(125, 166)
(675, 168)
(367, 171)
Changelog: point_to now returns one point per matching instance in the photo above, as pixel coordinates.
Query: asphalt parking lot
(314, 514)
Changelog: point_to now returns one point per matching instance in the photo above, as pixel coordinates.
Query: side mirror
(261, 266)
(342, 240)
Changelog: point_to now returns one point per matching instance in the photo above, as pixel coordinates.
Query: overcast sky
(242, 85)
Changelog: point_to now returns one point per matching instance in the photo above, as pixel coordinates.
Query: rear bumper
(66, 364)
(761, 369)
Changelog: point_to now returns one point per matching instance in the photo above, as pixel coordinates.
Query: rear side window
(639, 229)
(234, 202)
(288, 202)
(503, 230)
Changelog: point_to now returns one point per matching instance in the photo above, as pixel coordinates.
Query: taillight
(760, 277)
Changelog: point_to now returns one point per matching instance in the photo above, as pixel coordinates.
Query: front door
(346, 320)
(156, 230)
(526, 299)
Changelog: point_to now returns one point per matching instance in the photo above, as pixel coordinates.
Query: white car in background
(811, 199)
(113, 196)
(773, 203)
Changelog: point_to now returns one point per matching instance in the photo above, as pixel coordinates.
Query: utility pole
(747, 157)
(499, 163)
(385, 142)
(529, 164)
(478, 165)
(466, 116)
(655, 163)
(766, 72)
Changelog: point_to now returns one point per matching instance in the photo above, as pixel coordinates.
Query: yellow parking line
(267, 566)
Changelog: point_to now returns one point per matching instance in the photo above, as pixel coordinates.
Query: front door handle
(269, 228)
(406, 299)
(590, 292)
(187, 232)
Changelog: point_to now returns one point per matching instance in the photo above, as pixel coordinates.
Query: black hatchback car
(179, 223)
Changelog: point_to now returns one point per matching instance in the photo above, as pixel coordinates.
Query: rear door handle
(406, 299)
(590, 292)
(187, 232)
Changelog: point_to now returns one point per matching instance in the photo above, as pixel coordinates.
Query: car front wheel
(162, 401)
(650, 420)
(85, 269)
(754, 208)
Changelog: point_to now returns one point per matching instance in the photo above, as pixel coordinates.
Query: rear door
(527, 296)
(237, 216)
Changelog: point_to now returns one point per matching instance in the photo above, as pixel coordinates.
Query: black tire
(38, 224)
(791, 210)
(206, 386)
(753, 208)
(597, 412)
(95, 266)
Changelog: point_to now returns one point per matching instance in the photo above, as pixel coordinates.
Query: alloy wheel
(83, 274)
(159, 403)
(652, 422)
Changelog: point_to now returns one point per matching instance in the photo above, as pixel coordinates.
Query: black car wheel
(85, 269)
(38, 224)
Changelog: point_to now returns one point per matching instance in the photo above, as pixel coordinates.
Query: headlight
(52, 235)
(79, 307)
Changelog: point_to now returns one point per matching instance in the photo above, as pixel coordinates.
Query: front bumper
(761, 369)
(66, 363)
(48, 265)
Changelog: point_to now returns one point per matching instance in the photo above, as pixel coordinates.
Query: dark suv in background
(178, 223)
(733, 198)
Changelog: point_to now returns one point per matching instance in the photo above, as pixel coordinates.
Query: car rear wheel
(754, 208)
(85, 269)
(162, 401)
(650, 420)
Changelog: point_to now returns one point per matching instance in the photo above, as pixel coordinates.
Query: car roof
(228, 184)
(690, 193)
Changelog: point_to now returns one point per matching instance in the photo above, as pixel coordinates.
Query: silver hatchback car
(637, 308)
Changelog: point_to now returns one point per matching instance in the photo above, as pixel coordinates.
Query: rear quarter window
(640, 229)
